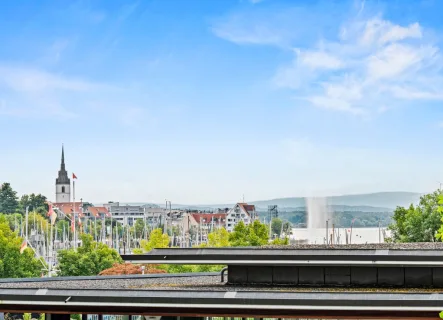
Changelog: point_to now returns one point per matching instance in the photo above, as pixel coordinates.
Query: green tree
(157, 239)
(254, 234)
(14, 220)
(238, 237)
(280, 241)
(8, 199)
(13, 264)
(89, 259)
(139, 228)
(276, 227)
(35, 202)
(219, 238)
(419, 223)
(287, 228)
(440, 210)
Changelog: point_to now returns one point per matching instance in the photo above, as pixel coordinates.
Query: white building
(240, 212)
(126, 214)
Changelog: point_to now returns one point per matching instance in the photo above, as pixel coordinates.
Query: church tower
(62, 183)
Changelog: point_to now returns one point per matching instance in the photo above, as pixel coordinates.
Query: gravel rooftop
(197, 283)
(369, 246)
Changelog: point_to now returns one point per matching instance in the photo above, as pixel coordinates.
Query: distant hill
(336, 208)
(388, 200)
(369, 202)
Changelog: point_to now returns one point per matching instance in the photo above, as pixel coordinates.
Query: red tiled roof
(249, 208)
(98, 211)
(67, 208)
(207, 217)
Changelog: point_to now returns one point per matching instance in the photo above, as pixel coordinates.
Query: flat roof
(427, 254)
(204, 294)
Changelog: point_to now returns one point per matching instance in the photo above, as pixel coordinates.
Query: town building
(96, 212)
(125, 214)
(203, 222)
(68, 208)
(240, 212)
(154, 216)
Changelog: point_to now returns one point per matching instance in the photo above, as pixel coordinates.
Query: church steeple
(62, 173)
(62, 167)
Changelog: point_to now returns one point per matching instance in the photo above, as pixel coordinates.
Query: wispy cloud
(34, 92)
(24, 79)
(261, 26)
(369, 64)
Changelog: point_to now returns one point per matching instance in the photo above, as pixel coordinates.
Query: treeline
(10, 203)
(341, 219)
(419, 223)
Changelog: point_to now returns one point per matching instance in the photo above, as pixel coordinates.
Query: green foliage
(254, 234)
(8, 199)
(14, 220)
(287, 228)
(137, 251)
(421, 223)
(139, 228)
(35, 202)
(280, 241)
(12, 263)
(219, 238)
(276, 227)
(88, 260)
(157, 239)
(172, 268)
(440, 210)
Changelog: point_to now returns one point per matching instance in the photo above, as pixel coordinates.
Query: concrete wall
(337, 276)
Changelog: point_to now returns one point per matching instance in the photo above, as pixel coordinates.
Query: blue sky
(204, 101)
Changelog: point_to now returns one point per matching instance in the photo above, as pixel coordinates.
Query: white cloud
(34, 80)
(264, 26)
(371, 66)
(395, 59)
(378, 31)
(367, 65)
(255, 35)
(37, 93)
(319, 60)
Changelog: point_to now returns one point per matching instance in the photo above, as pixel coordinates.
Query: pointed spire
(63, 158)
(62, 173)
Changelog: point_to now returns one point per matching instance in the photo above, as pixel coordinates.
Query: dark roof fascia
(168, 302)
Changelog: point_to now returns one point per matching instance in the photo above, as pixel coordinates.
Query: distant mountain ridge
(388, 200)
(366, 202)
